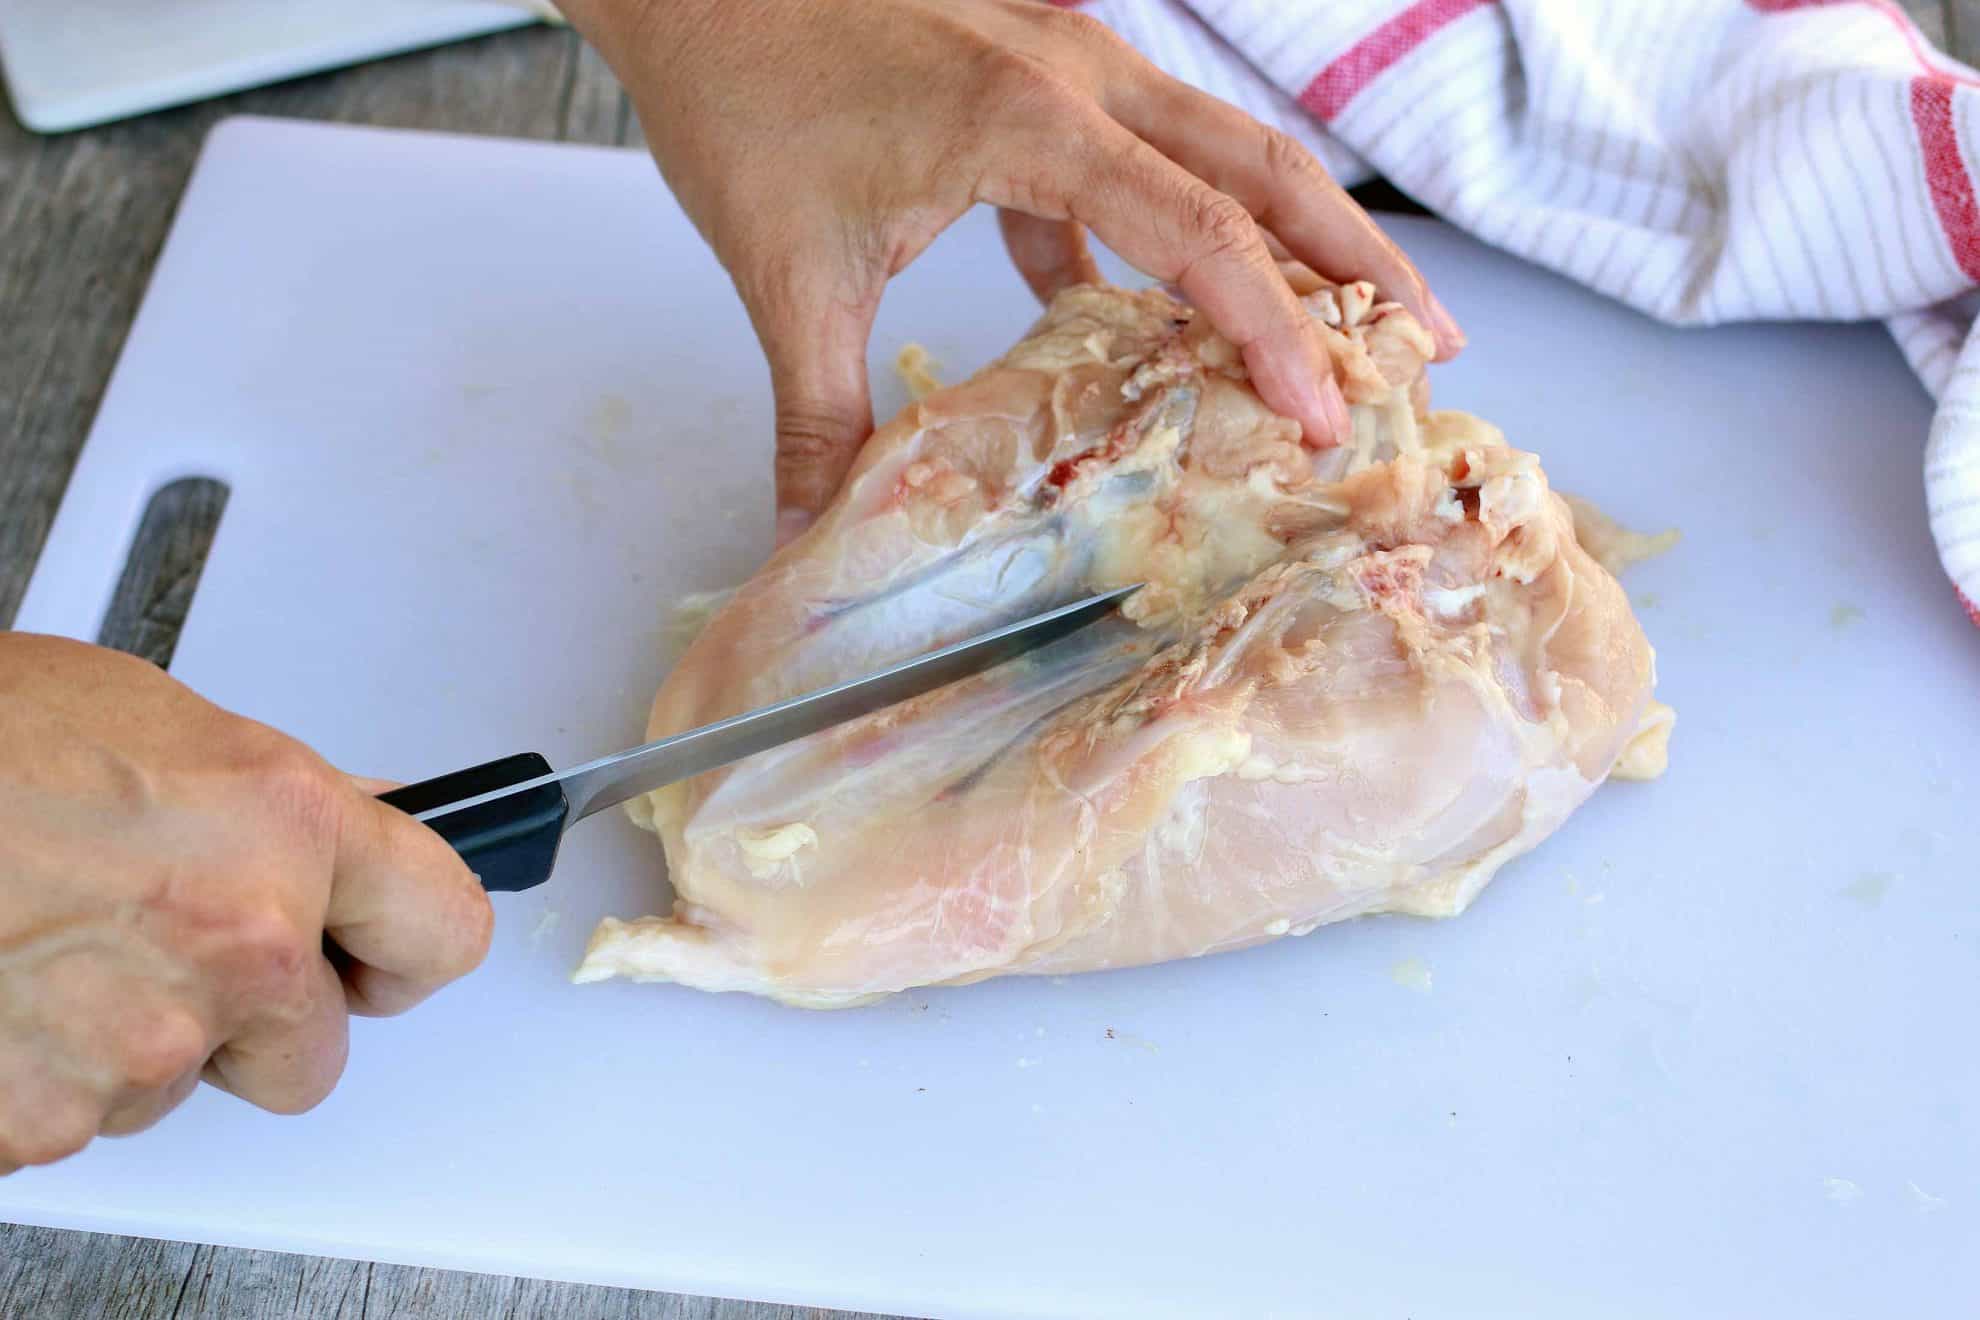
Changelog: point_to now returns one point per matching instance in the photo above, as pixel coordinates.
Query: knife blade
(506, 817)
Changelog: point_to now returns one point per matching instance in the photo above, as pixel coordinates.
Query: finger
(372, 991)
(158, 1046)
(402, 902)
(1172, 225)
(1280, 183)
(138, 1111)
(288, 1057)
(368, 991)
(1050, 254)
(44, 1119)
(813, 320)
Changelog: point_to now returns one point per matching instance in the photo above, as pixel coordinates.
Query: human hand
(819, 148)
(187, 894)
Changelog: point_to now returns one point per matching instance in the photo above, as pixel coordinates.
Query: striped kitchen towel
(1701, 160)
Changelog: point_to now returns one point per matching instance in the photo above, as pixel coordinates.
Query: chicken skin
(1359, 679)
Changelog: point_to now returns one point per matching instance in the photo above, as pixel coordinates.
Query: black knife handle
(510, 843)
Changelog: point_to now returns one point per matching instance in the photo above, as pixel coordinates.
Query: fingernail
(791, 524)
(1444, 327)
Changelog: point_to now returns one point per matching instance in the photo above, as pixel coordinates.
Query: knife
(506, 817)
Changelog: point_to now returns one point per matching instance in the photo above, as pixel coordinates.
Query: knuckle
(1286, 156)
(1222, 226)
(1034, 190)
(1025, 87)
(272, 959)
(161, 1047)
(808, 433)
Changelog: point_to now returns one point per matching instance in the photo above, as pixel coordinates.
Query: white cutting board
(72, 63)
(487, 407)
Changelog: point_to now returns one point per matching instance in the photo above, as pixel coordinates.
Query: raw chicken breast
(1358, 680)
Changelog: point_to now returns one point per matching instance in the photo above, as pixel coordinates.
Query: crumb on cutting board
(1411, 974)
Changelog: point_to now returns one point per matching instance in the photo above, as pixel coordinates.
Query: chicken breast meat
(1359, 679)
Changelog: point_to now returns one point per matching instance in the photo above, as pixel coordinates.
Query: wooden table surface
(81, 220)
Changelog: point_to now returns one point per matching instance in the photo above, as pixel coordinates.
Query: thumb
(405, 912)
(814, 333)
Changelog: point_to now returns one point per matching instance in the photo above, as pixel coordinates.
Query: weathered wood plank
(400, 1292)
(224, 1284)
(537, 1297)
(46, 1275)
(149, 607)
(50, 1275)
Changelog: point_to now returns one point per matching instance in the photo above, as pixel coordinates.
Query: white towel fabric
(1701, 160)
